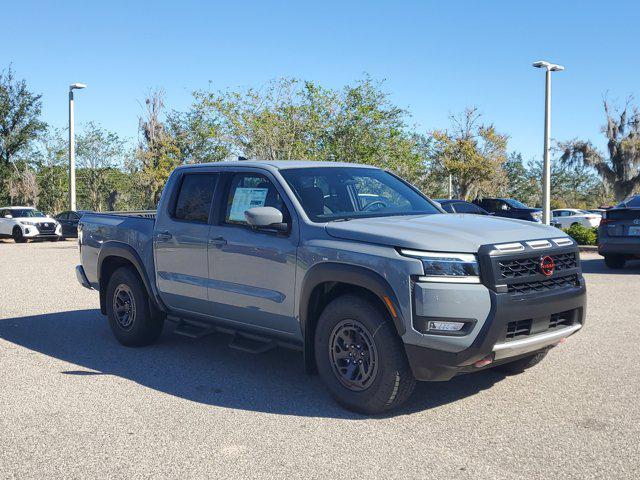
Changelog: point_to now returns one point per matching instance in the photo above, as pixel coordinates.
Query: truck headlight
(447, 267)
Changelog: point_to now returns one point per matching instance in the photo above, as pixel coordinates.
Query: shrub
(583, 235)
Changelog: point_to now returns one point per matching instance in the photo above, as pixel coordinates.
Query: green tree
(472, 153)
(99, 152)
(19, 116)
(521, 183)
(157, 152)
(290, 119)
(619, 170)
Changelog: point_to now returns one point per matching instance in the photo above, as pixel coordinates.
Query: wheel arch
(326, 281)
(113, 255)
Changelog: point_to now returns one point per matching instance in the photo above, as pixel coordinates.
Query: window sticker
(244, 199)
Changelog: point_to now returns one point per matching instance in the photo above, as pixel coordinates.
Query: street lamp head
(549, 66)
(77, 86)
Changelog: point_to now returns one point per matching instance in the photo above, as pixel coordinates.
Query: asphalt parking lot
(75, 404)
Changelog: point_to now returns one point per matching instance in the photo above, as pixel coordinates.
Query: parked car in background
(619, 233)
(596, 211)
(375, 294)
(69, 222)
(566, 217)
(25, 223)
(460, 206)
(509, 208)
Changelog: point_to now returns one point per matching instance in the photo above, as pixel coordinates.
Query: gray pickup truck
(372, 281)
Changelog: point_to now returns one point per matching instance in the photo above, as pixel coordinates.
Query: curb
(588, 248)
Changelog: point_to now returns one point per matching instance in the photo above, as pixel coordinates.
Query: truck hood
(463, 233)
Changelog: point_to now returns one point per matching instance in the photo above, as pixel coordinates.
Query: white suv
(23, 223)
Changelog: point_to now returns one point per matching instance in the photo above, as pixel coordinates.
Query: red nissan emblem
(547, 265)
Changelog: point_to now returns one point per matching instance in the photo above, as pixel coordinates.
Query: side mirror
(265, 217)
(8, 216)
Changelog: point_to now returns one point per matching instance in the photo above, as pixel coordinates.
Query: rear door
(180, 242)
(252, 272)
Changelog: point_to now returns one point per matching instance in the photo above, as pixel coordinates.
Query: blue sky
(436, 57)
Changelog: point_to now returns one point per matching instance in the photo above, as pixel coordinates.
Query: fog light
(439, 326)
(26, 231)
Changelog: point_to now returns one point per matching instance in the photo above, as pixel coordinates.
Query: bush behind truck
(368, 278)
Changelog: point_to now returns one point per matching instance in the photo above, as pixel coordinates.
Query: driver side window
(248, 190)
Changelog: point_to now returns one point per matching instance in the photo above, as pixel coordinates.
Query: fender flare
(344, 273)
(114, 248)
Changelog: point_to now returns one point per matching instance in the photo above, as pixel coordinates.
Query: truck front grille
(47, 227)
(529, 266)
(523, 288)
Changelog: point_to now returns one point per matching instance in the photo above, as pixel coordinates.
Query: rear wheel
(520, 365)
(360, 357)
(130, 318)
(615, 261)
(18, 236)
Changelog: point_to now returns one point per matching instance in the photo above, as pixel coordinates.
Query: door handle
(163, 236)
(218, 241)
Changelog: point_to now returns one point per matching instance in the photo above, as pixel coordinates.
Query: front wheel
(360, 357)
(18, 236)
(128, 312)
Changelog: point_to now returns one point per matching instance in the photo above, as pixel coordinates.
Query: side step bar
(241, 340)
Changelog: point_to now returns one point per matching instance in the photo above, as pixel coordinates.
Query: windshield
(631, 202)
(335, 193)
(515, 203)
(25, 212)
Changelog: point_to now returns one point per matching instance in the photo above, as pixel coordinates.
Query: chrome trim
(532, 343)
(562, 242)
(449, 279)
(510, 247)
(539, 244)
(465, 257)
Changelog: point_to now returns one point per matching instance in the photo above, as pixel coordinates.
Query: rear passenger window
(194, 198)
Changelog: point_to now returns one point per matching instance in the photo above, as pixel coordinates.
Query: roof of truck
(282, 164)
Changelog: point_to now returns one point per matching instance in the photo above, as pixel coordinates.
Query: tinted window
(464, 207)
(515, 203)
(331, 193)
(63, 216)
(194, 199)
(633, 202)
(447, 207)
(248, 190)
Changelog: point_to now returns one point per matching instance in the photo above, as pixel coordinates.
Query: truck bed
(131, 228)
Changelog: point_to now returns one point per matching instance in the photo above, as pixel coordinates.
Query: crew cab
(375, 284)
(25, 223)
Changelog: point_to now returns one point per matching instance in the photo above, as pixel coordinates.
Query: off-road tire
(393, 381)
(614, 262)
(144, 328)
(522, 364)
(18, 236)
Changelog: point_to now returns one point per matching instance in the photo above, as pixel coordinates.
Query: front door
(180, 243)
(252, 272)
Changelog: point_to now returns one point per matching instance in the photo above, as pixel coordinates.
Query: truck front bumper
(492, 341)
(82, 277)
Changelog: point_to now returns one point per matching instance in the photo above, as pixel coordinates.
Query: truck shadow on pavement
(206, 370)
(597, 265)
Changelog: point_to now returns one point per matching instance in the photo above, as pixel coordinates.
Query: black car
(460, 206)
(619, 233)
(69, 222)
(509, 208)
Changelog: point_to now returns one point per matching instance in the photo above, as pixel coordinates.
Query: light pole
(72, 153)
(546, 170)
